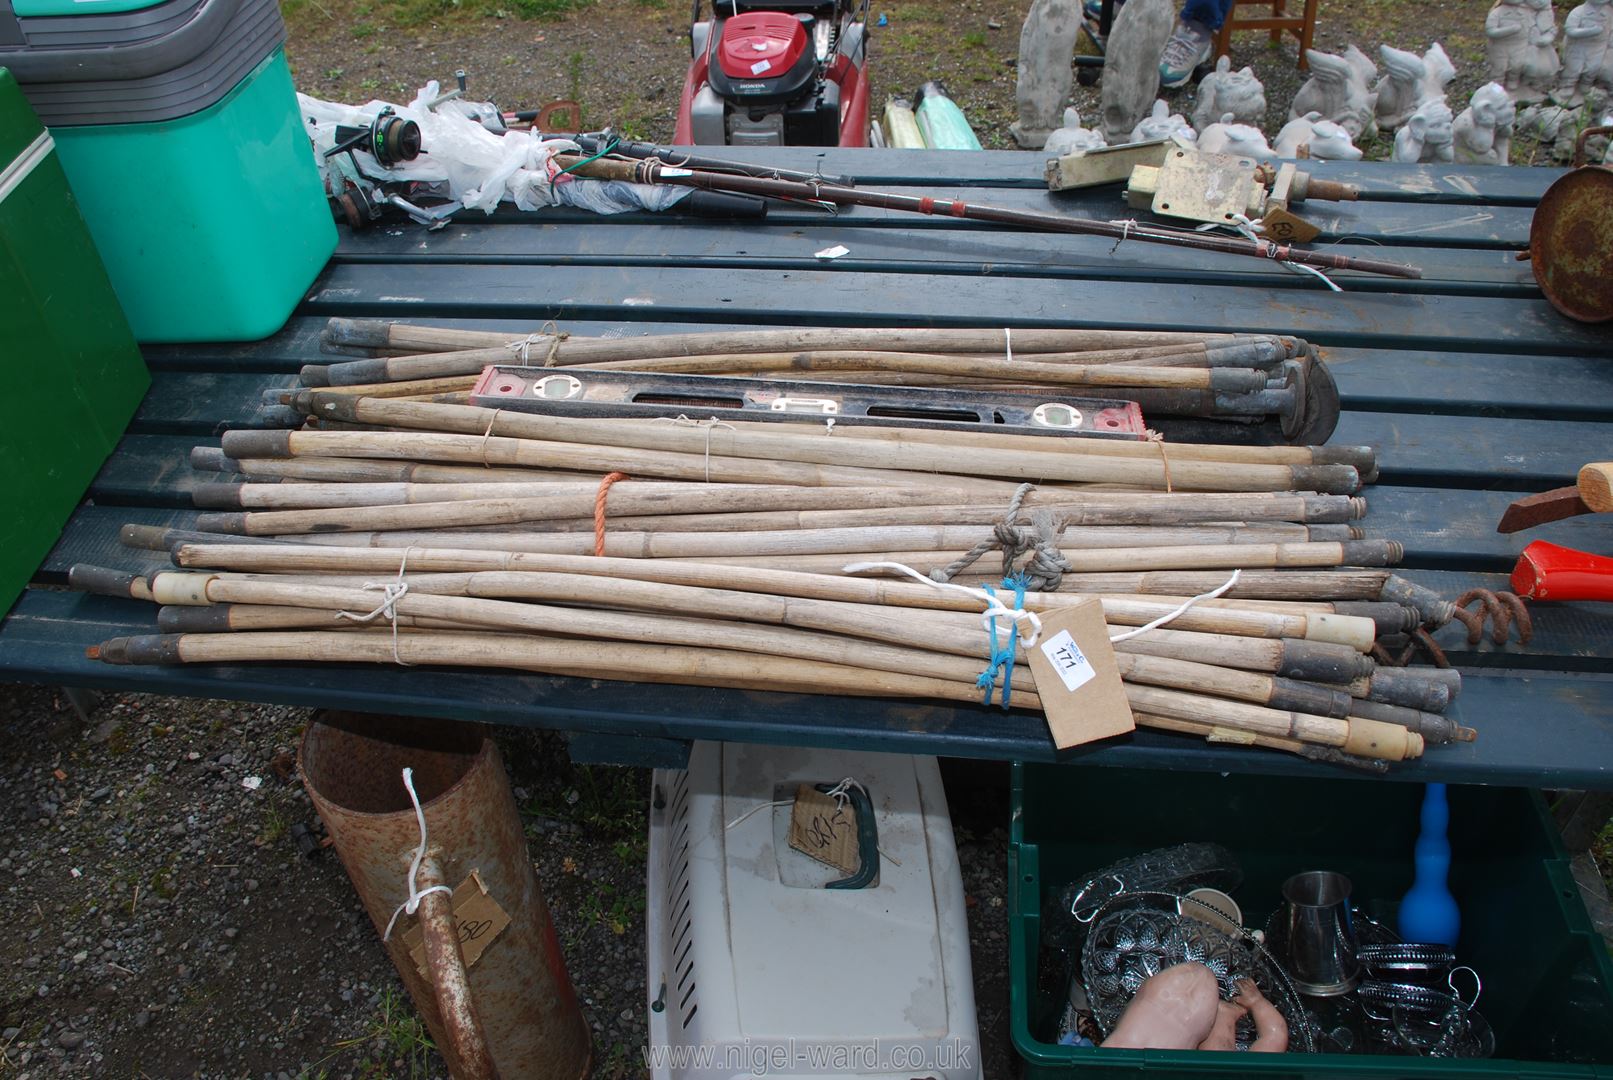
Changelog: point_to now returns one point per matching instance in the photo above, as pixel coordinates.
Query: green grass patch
(406, 1045)
(304, 16)
(610, 908)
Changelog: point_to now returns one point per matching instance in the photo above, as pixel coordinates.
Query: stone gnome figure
(1409, 80)
(1426, 136)
(1338, 90)
(1312, 137)
(1072, 138)
(1482, 134)
(1131, 64)
(1226, 91)
(1587, 33)
(1164, 124)
(1522, 47)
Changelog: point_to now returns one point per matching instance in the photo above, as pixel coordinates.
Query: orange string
(599, 509)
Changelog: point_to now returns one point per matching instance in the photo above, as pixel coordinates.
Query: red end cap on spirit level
(761, 45)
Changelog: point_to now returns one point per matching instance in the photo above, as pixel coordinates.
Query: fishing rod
(679, 157)
(819, 190)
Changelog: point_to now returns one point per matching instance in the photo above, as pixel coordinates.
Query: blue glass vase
(1428, 912)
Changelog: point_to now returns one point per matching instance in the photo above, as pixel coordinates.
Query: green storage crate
(73, 374)
(1548, 982)
(178, 127)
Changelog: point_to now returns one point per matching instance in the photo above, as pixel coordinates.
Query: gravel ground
(164, 923)
(624, 60)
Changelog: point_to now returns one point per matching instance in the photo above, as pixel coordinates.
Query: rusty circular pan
(1571, 244)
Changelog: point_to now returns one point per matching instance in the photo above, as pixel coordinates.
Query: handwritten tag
(824, 829)
(1077, 678)
(478, 918)
(1287, 228)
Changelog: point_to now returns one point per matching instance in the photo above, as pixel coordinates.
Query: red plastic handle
(1550, 572)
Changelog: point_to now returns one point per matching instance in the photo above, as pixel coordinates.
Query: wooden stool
(1301, 26)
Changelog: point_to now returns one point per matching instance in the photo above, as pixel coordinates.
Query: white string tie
(1251, 229)
(840, 793)
(1213, 594)
(391, 593)
(758, 808)
(994, 607)
(709, 424)
(1008, 344)
(1126, 225)
(416, 893)
(523, 349)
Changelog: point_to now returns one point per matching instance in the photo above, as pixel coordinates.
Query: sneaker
(1188, 47)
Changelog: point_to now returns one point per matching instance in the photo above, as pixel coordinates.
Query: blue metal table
(1471, 388)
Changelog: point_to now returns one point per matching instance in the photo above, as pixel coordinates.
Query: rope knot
(1045, 569)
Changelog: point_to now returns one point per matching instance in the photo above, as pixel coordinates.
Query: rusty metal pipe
(448, 979)
(517, 992)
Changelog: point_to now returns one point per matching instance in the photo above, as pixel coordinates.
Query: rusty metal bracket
(1502, 610)
(1406, 647)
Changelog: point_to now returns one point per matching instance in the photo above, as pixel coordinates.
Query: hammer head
(1532, 510)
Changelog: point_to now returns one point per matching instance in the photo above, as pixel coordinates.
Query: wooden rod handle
(1596, 486)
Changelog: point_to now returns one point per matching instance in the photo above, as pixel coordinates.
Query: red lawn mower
(776, 73)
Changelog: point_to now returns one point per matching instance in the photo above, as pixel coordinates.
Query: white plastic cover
(480, 168)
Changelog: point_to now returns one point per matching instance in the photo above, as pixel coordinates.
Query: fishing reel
(390, 139)
(360, 205)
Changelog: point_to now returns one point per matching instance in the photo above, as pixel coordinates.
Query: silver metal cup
(1319, 935)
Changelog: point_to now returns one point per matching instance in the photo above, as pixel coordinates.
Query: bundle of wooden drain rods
(1192, 386)
(716, 555)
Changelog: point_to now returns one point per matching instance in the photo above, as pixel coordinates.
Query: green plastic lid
(19, 127)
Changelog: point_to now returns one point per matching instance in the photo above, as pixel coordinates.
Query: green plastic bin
(178, 128)
(73, 375)
(1548, 982)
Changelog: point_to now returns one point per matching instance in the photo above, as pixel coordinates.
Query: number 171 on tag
(1068, 660)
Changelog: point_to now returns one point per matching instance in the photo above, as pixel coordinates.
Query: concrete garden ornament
(1045, 44)
(1164, 124)
(1409, 80)
(1587, 60)
(1522, 48)
(1426, 136)
(1131, 64)
(1226, 91)
(1072, 138)
(1313, 137)
(1555, 128)
(1338, 90)
(1242, 140)
(1482, 134)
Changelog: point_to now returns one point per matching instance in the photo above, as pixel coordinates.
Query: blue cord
(1002, 659)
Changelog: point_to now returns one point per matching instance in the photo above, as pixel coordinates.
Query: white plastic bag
(481, 169)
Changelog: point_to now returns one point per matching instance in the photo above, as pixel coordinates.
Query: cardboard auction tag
(824, 829)
(1288, 228)
(478, 918)
(1077, 678)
